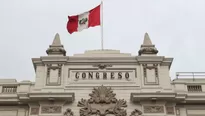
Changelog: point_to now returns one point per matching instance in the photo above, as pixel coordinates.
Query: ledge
(136, 97)
(52, 96)
(176, 97)
(28, 97)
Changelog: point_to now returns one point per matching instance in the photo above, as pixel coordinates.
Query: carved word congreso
(102, 75)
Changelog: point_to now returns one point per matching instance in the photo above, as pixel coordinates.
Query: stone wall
(13, 110)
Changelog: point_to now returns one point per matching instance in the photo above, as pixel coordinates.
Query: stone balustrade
(194, 88)
(9, 89)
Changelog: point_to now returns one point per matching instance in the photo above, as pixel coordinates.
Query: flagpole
(101, 23)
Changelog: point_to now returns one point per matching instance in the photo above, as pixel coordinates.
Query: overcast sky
(27, 28)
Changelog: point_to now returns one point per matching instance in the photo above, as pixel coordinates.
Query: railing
(192, 75)
(9, 89)
(194, 88)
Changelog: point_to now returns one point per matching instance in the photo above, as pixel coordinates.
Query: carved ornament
(153, 109)
(68, 112)
(148, 50)
(102, 66)
(56, 50)
(50, 109)
(101, 103)
(136, 112)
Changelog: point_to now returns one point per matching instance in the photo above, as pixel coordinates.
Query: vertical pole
(101, 22)
(193, 76)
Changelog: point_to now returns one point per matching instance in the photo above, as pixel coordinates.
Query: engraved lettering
(90, 75)
(104, 75)
(77, 75)
(120, 75)
(97, 75)
(83, 75)
(112, 75)
(127, 75)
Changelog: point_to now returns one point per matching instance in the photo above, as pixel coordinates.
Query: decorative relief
(101, 103)
(34, 111)
(153, 109)
(68, 112)
(50, 68)
(136, 112)
(170, 110)
(102, 66)
(50, 109)
(156, 73)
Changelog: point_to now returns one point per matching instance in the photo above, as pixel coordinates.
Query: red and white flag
(83, 21)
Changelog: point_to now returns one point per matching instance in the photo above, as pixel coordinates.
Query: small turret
(56, 48)
(147, 48)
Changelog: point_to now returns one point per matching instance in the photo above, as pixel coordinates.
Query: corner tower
(154, 68)
(49, 69)
(154, 73)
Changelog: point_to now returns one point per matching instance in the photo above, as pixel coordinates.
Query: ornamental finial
(147, 48)
(56, 48)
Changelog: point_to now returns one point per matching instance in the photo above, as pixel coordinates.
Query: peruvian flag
(83, 21)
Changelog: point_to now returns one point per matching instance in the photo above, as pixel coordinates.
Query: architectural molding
(50, 68)
(154, 67)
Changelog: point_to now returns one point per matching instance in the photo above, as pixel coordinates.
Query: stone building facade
(102, 83)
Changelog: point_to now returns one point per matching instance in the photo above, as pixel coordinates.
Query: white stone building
(125, 85)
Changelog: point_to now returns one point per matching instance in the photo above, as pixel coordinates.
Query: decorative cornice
(73, 58)
(56, 50)
(46, 95)
(137, 97)
(147, 50)
(150, 59)
(28, 97)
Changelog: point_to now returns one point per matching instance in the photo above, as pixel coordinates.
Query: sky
(27, 28)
